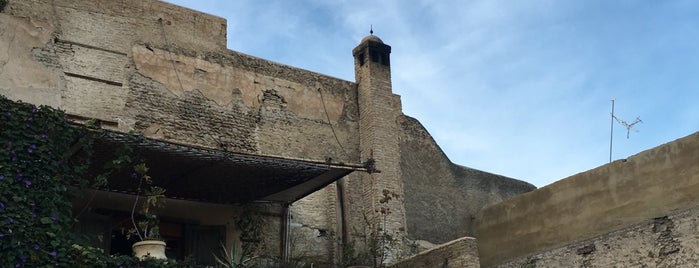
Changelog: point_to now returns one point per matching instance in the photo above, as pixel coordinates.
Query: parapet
(117, 25)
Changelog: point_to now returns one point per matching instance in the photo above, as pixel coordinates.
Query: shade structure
(212, 175)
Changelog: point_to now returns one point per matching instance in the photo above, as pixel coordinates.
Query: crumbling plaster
(221, 83)
(22, 77)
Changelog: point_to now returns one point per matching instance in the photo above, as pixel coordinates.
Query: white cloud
(519, 88)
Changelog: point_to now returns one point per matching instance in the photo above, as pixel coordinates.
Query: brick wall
(110, 60)
(379, 110)
(164, 70)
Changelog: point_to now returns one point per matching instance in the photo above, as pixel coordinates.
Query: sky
(517, 88)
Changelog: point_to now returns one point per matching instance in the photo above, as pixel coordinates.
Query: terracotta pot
(149, 248)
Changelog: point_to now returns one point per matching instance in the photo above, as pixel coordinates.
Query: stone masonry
(164, 71)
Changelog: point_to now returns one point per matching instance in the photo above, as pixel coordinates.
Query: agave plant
(231, 258)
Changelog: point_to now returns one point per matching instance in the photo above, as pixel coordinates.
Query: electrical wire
(322, 100)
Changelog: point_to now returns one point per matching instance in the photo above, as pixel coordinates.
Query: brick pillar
(379, 109)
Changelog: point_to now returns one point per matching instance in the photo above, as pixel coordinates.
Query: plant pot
(150, 249)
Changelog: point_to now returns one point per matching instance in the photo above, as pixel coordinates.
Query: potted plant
(145, 224)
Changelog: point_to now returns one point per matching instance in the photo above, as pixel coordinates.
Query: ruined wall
(651, 184)
(240, 103)
(460, 253)
(441, 198)
(74, 54)
(668, 241)
(164, 70)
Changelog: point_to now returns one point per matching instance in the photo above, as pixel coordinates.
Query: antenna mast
(611, 133)
(623, 123)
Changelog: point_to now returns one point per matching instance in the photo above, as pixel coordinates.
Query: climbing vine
(40, 156)
(43, 160)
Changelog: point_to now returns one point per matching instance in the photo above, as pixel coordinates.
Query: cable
(322, 100)
(167, 47)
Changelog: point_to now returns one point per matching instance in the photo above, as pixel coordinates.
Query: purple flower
(31, 148)
(36, 247)
(2, 205)
(2, 235)
(34, 110)
(54, 218)
(30, 118)
(14, 158)
(44, 136)
(2, 177)
(27, 183)
(134, 175)
(53, 253)
(33, 215)
(10, 220)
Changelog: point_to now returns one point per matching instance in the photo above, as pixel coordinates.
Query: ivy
(42, 157)
(41, 154)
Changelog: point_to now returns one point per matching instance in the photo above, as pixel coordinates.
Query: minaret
(379, 110)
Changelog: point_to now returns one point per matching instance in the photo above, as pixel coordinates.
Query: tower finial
(371, 29)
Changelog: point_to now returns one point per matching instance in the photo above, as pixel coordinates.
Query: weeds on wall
(530, 262)
(378, 244)
(253, 248)
(250, 224)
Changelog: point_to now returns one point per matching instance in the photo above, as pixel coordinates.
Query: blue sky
(517, 88)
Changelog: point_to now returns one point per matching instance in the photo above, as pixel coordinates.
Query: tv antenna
(623, 123)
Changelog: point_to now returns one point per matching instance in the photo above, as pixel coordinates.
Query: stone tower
(379, 110)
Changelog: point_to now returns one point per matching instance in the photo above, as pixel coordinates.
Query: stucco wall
(460, 253)
(441, 198)
(650, 184)
(669, 241)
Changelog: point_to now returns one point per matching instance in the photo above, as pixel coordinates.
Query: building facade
(243, 145)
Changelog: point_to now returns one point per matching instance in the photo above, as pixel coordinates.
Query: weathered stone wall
(74, 54)
(379, 110)
(314, 227)
(668, 241)
(441, 198)
(164, 70)
(239, 103)
(648, 185)
(460, 253)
